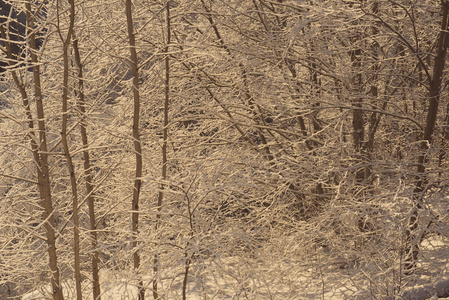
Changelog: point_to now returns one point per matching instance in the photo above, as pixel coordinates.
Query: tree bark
(164, 142)
(65, 144)
(412, 240)
(137, 144)
(96, 292)
(41, 158)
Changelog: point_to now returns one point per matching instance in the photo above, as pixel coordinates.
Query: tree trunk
(412, 240)
(88, 177)
(41, 157)
(137, 144)
(65, 144)
(164, 143)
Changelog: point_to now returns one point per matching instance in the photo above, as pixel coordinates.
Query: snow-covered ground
(279, 277)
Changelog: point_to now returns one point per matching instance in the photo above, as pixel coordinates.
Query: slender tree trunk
(76, 230)
(186, 275)
(358, 121)
(41, 168)
(40, 153)
(164, 143)
(412, 240)
(65, 144)
(187, 255)
(88, 177)
(137, 144)
(444, 143)
(374, 118)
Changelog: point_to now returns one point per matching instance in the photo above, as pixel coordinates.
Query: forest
(224, 149)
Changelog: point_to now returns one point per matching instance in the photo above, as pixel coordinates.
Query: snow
(275, 277)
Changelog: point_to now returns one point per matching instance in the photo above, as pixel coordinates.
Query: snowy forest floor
(268, 275)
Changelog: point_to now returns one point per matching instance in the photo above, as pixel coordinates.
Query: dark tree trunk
(412, 240)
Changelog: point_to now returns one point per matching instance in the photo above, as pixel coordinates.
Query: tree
(88, 176)
(292, 136)
(435, 86)
(137, 143)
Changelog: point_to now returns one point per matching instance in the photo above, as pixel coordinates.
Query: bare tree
(164, 142)
(66, 41)
(137, 144)
(88, 176)
(435, 85)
